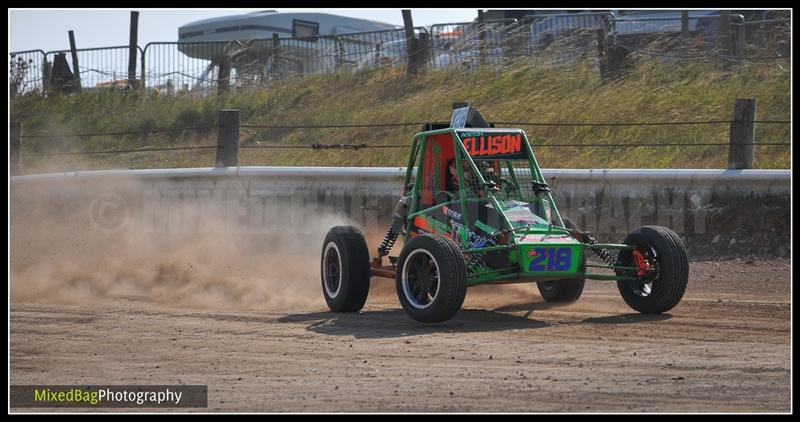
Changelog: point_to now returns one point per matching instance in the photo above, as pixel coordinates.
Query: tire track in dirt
(724, 348)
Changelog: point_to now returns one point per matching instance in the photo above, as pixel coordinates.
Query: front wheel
(662, 270)
(431, 278)
(345, 269)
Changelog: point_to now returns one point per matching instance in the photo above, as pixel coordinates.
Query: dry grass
(652, 91)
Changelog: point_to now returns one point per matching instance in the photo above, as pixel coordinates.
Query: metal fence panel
(204, 68)
(664, 35)
(370, 50)
(561, 39)
(767, 39)
(103, 68)
(25, 71)
(179, 67)
(547, 28)
(469, 44)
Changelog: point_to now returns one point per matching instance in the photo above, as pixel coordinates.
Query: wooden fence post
(481, 38)
(685, 23)
(141, 72)
(224, 76)
(411, 43)
(602, 52)
(228, 139)
(423, 54)
(724, 35)
(134, 36)
(16, 144)
(742, 136)
(339, 52)
(276, 56)
(76, 74)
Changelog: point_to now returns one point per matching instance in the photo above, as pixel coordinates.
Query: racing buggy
(475, 209)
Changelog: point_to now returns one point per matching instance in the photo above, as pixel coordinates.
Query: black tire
(445, 277)
(344, 269)
(666, 290)
(568, 289)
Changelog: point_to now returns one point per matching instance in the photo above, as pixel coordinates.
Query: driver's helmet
(487, 169)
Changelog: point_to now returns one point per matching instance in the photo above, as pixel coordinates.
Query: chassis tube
(595, 276)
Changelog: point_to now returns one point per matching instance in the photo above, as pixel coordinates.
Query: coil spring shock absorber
(603, 254)
(388, 242)
(398, 223)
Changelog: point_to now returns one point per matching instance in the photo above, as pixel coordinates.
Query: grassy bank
(652, 92)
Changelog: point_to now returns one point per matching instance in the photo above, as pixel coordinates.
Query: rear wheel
(431, 278)
(345, 269)
(660, 286)
(568, 289)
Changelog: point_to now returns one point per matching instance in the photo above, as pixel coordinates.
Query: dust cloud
(84, 245)
(96, 242)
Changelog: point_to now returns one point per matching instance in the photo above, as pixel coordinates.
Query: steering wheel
(507, 187)
(443, 196)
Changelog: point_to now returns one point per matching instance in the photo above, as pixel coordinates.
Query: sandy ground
(724, 348)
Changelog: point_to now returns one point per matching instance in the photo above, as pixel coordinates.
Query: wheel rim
(547, 285)
(644, 288)
(420, 280)
(332, 270)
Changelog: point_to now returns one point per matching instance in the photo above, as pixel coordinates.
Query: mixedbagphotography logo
(132, 396)
(108, 212)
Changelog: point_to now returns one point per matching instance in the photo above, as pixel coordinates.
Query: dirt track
(726, 347)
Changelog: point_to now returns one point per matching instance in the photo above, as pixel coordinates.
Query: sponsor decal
(450, 213)
(430, 225)
(493, 145)
(550, 259)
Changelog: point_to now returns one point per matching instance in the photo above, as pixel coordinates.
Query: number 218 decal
(550, 259)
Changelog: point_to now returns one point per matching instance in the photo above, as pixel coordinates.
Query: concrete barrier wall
(718, 213)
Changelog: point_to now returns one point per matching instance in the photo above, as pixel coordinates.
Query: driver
(487, 170)
(452, 183)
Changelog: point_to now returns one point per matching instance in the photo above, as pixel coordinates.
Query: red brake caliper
(642, 266)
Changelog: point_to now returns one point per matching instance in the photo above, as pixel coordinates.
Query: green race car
(476, 210)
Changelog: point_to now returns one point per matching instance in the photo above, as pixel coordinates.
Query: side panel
(438, 152)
